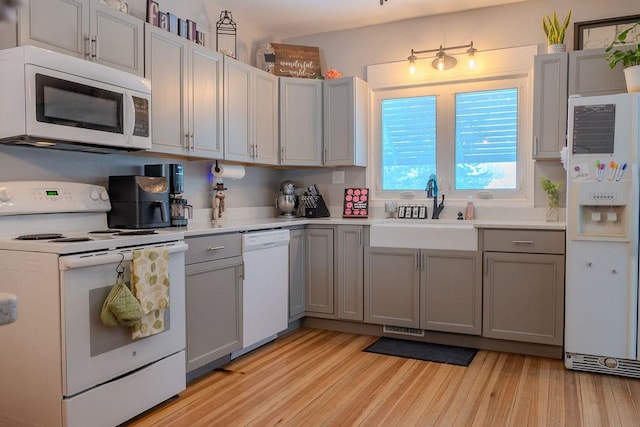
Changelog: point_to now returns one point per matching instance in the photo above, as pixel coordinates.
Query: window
(469, 134)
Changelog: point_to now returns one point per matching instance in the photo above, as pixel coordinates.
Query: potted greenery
(625, 49)
(555, 32)
(553, 198)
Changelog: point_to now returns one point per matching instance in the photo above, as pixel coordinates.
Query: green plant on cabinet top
(553, 30)
(629, 53)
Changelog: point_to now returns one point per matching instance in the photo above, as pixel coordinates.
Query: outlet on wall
(338, 177)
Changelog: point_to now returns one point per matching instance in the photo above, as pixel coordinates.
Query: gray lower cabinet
(349, 262)
(296, 273)
(392, 286)
(425, 289)
(319, 272)
(524, 286)
(451, 291)
(214, 298)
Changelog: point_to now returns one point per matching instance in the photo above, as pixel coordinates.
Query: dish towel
(150, 285)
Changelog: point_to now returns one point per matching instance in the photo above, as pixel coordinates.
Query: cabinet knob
(614, 271)
(589, 264)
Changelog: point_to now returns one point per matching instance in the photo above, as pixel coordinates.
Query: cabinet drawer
(532, 241)
(210, 248)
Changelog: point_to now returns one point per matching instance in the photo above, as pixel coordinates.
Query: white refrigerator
(601, 299)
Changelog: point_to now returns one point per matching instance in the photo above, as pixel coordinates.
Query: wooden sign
(355, 203)
(296, 61)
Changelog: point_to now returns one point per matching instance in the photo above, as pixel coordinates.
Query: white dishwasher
(265, 290)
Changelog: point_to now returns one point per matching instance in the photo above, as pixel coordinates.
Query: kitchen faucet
(432, 192)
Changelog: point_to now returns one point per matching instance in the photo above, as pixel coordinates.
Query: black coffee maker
(138, 202)
(180, 210)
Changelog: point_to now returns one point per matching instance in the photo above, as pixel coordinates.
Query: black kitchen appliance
(138, 202)
(180, 210)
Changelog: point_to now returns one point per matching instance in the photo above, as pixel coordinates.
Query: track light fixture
(442, 60)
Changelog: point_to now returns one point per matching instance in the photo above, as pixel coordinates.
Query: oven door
(93, 353)
(66, 107)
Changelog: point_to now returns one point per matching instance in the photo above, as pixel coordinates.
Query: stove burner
(72, 239)
(43, 236)
(136, 233)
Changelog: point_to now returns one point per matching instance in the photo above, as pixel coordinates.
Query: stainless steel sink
(425, 234)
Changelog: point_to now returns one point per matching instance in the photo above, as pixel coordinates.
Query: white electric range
(60, 365)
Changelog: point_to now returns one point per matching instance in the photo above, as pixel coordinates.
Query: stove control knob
(4, 194)
(104, 196)
(94, 195)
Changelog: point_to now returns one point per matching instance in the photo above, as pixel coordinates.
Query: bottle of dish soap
(470, 210)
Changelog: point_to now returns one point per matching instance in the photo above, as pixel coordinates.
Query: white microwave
(52, 100)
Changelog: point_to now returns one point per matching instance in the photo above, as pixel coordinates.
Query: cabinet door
(205, 107)
(265, 115)
(590, 74)
(238, 107)
(214, 310)
(296, 274)
(119, 38)
(60, 25)
(300, 122)
(319, 271)
(524, 297)
(345, 103)
(349, 272)
(549, 105)
(165, 65)
(451, 292)
(392, 286)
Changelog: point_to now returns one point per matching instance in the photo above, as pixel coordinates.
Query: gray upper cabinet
(187, 109)
(590, 74)
(300, 122)
(549, 105)
(86, 29)
(250, 114)
(558, 76)
(346, 121)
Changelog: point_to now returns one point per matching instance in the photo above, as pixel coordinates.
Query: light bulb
(472, 61)
(412, 63)
(441, 63)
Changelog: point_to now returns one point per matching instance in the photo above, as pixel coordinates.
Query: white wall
(516, 24)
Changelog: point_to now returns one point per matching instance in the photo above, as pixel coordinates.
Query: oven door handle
(112, 257)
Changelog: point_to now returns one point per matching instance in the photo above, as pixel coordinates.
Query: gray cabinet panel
(349, 272)
(590, 74)
(524, 297)
(214, 310)
(549, 105)
(392, 287)
(319, 271)
(296, 273)
(451, 292)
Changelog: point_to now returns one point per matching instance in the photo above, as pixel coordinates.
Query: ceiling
(293, 18)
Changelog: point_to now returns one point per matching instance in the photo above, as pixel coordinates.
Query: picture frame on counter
(600, 33)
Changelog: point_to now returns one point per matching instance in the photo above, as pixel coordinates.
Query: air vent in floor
(403, 331)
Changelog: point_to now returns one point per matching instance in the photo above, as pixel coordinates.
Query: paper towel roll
(228, 171)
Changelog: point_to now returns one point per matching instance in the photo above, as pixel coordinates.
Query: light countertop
(198, 228)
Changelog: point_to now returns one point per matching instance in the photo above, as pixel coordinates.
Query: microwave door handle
(131, 116)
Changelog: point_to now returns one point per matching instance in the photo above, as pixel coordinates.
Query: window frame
(445, 91)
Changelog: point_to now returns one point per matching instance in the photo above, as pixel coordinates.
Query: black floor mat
(423, 351)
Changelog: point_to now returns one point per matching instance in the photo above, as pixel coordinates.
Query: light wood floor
(322, 378)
